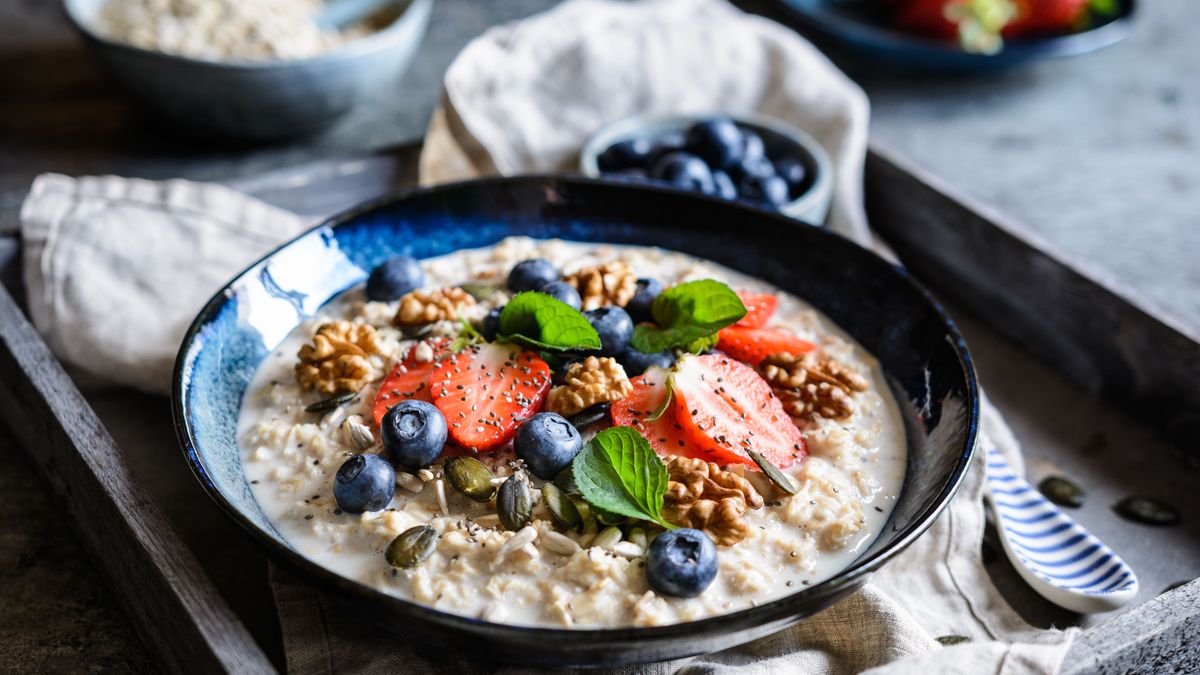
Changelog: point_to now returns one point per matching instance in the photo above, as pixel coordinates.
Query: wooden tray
(195, 588)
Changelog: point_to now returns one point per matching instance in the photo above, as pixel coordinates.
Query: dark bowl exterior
(875, 301)
(262, 100)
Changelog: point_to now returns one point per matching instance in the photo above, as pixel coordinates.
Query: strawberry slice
(665, 434)
(752, 345)
(409, 379)
(725, 406)
(759, 308)
(487, 390)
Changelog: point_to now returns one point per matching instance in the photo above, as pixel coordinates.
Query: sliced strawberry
(759, 308)
(752, 345)
(726, 406)
(1047, 16)
(665, 433)
(409, 379)
(487, 390)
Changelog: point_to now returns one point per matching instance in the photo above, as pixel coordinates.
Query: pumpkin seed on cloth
(951, 640)
(1062, 491)
(1147, 511)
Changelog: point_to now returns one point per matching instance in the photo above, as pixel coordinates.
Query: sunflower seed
(559, 543)
(357, 435)
(409, 482)
(607, 537)
(527, 535)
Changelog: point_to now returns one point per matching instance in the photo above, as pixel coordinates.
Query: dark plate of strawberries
(966, 34)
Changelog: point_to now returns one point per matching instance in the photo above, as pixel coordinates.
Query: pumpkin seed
(608, 517)
(779, 478)
(593, 415)
(331, 403)
(412, 546)
(478, 290)
(470, 477)
(416, 332)
(1062, 491)
(1147, 511)
(514, 503)
(586, 515)
(1175, 585)
(562, 509)
(565, 481)
(951, 640)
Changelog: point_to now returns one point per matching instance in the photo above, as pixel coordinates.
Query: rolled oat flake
(1147, 511)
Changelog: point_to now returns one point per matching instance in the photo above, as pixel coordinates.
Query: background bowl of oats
(255, 71)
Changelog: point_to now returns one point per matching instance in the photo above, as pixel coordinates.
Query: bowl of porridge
(266, 70)
(576, 422)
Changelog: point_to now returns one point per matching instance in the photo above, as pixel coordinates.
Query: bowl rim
(414, 11)
(820, 191)
(784, 608)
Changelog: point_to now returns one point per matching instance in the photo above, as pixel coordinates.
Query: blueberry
(639, 305)
(561, 290)
(547, 442)
(414, 432)
(394, 277)
(681, 563)
(793, 172)
(490, 324)
(636, 362)
(633, 174)
(624, 155)
(614, 326)
(771, 190)
(723, 186)
(683, 170)
(752, 146)
(717, 141)
(532, 274)
(756, 168)
(364, 483)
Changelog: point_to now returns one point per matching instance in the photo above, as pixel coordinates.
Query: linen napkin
(103, 261)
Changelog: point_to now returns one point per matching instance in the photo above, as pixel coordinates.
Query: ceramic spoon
(1055, 555)
(339, 14)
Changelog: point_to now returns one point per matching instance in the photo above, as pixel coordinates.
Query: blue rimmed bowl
(875, 301)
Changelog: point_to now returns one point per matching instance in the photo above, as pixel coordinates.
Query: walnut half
(591, 381)
(812, 384)
(421, 307)
(703, 496)
(336, 361)
(609, 284)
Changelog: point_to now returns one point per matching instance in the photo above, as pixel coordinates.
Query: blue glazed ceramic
(261, 100)
(875, 301)
(861, 27)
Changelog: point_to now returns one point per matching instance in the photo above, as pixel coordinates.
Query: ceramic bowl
(780, 140)
(261, 100)
(863, 29)
(878, 303)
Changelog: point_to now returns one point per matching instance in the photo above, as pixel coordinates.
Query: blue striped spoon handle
(1055, 555)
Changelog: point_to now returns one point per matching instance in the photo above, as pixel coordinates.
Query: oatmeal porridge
(493, 437)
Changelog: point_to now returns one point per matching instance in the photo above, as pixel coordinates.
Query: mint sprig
(689, 315)
(539, 321)
(618, 472)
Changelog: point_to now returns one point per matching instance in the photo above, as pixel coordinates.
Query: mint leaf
(618, 471)
(538, 321)
(688, 313)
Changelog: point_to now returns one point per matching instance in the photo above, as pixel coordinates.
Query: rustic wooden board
(1085, 325)
(172, 605)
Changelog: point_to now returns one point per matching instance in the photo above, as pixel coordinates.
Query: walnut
(336, 361)
(812, 384)
(421, 307)
(609, 284)
(591, 381)
(701, 495)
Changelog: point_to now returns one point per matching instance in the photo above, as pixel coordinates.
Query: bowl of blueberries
(748, 158)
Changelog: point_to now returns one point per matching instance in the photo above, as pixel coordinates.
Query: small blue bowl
(877, 302)
(863, 28)
(780, 140)
(261, 100)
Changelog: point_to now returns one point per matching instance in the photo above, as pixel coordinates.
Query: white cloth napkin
(116, 268)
